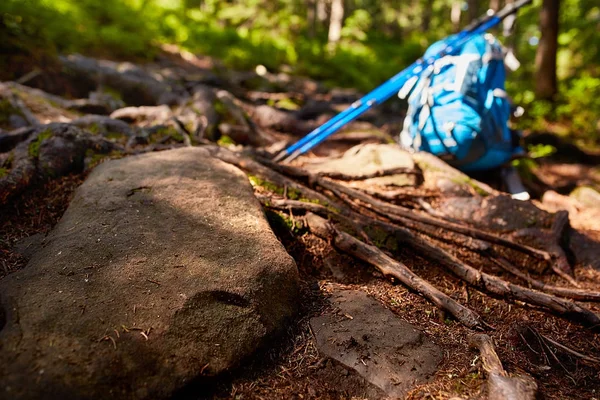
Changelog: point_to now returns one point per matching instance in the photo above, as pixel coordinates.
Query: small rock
(369, 159)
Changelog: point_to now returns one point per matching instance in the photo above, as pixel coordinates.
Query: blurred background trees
(351, 43)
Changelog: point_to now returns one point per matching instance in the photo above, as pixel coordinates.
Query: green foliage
(379, 38)
(112, 26)
(580, 105)
(575, 113)
(541, 150)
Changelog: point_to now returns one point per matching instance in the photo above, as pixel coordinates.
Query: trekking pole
(395, 83)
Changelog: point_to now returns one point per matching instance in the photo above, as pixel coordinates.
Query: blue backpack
(458, 108)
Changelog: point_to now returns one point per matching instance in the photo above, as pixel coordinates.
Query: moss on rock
(34, 146)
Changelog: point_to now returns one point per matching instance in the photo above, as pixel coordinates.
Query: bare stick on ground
(546, 343)
(575, 294)
(384, 172)
(499, 385)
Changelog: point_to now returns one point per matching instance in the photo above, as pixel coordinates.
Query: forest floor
(293, 368)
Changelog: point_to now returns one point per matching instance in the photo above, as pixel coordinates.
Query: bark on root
(500, 386)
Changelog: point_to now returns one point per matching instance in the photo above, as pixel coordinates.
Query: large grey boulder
(162, 271)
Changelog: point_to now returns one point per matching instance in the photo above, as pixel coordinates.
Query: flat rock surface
(496, 213)
(368, 338)
(162, 271)
(367, 159)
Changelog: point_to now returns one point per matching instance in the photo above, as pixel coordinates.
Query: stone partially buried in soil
(368, 338)
(163, 271)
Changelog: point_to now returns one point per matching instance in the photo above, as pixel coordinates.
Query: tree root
(551, 242)
(574, 294)
(499, 287)
(51, 151)
(362, 217)
(482, 281)
(499, 385)
(545, 342)
(392, 268)
(17, 104)
(392, 210)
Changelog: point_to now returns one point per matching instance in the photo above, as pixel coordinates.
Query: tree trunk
(495, 5)
(335, 22)
(455, 12)
(473, 9)
(426, 15)
(311, 17)
(545, 59)
(321, 11)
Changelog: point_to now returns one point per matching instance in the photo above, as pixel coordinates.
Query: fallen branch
(407, 193)
(302, 206)
(253, 167)
(499, 385)
(570, 351)
(392, 268)
(575, 294)
(498, 287)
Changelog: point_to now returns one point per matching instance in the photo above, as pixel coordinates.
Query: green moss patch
(382, 239)
(162, 133)
(34, 146)
(282, 222)
(255, 181)
(93, 158)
